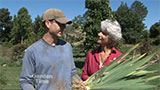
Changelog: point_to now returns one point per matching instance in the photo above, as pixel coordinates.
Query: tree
(22, 26)
(5, 25)
(155, 30)
(131, 24)
(155, 33)
(78, 22)
(98, 10)
(37, 32)
(138, 8)
(38, 25)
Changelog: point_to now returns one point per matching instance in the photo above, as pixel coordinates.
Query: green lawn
(11, 74)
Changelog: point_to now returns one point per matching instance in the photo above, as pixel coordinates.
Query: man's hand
(78, 84)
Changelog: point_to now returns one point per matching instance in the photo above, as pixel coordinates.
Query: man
(48, 63)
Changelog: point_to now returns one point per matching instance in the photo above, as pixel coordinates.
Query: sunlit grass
(12, 74)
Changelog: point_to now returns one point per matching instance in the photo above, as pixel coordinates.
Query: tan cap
(56, 14)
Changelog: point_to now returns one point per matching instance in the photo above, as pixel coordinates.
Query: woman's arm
(85, 75)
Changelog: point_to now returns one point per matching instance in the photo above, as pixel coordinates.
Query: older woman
(106, 53)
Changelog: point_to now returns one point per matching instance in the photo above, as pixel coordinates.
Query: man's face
(56, 29)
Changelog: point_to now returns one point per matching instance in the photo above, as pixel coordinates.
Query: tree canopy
(155, 33)
(155, 30)
(21, 27)
(139, 8)
(131, 24)
(5, 25)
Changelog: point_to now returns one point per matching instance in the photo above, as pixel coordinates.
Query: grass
(12, 75)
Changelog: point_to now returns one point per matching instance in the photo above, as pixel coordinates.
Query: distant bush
(145, 47)
(11, 56)
(7, 44)
(156, 41)
(17, 54)
(120, 45)
(18, 51)
(4, 61)
(16, 63)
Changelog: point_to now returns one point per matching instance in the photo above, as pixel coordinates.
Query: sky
(73, 8)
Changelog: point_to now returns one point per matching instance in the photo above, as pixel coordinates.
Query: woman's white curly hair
(112, 28)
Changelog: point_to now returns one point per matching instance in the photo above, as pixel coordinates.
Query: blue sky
(72, 8)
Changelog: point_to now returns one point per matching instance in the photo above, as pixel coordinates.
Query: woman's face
(103, 38)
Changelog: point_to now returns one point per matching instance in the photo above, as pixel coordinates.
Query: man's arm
(77, 83)
(28, 69)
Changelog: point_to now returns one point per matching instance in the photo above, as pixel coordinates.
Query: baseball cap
(57, 15)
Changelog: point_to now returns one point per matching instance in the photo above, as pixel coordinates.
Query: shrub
(18, 51)
(145, 47)
(7, 44)
(157, 41)
(4, 61)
